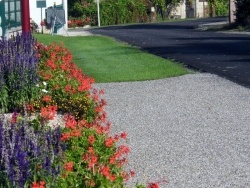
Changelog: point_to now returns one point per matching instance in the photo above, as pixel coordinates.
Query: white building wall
(200, 8)
(35, 13)
(196, 4)
(180, 10)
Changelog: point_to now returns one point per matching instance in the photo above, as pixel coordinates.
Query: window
(12, 13)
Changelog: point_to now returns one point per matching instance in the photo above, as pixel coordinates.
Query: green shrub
(112, 11)
(123, 11)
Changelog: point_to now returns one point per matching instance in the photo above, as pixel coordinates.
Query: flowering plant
(18, 72)
(68, 86)
(80, 152)
(28, 155)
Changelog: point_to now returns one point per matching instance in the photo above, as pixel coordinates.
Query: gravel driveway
(192, 131)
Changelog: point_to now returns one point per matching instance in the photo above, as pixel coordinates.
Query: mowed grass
(107, 60)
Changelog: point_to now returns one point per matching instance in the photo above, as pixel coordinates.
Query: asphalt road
(223, 54)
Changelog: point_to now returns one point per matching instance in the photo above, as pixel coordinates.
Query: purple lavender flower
(20, 148)
(18, 70)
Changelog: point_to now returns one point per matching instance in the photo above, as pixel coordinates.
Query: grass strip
(108, 60)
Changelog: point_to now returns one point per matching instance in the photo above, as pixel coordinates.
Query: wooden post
(25, 16)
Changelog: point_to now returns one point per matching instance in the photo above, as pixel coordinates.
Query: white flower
(37, 85)
(44, 83)
(44, 90)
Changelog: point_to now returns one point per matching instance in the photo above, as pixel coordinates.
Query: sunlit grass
(107, 60)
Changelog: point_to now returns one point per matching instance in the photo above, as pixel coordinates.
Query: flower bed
(76, 151)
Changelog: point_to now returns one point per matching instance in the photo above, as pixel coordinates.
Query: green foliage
(219, 7)
(112, 11)
(83, 10)
(122, 11)
(242, 12)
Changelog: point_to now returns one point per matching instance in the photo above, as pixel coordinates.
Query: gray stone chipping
(192, 130)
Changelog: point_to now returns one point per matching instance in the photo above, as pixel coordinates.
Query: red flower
(112, 177)
(109, 142)
(29, 107)
(68, 88)
(69, 166)
(51, 64)
(57, 87)
(105, 171)
(92, 183)
(132, 173)
(49, 112)
(14, 117)
(124, 135)
(40, 184)
(153, 185)
(65, 136)
(46, 98)
(64, 67)
(70, 122)
(93, 161)
(91, 139)
(47, 76)
(38, 55)
(91, 150)
(53, 55)
(76, 133)
(124, 149)
(112, 160)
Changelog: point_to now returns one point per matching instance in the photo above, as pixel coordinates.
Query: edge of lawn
(108, 60)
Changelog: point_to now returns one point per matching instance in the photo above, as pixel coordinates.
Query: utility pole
(98, 12)
(25, 7)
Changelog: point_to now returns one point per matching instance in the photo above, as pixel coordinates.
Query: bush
(84, 10)
(123, 11)
(111, 11)
(242, 12)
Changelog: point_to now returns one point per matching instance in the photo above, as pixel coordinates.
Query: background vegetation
(83, 12)
(218, 7)
(243, 12)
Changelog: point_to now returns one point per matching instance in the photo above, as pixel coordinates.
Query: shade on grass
(108, 60)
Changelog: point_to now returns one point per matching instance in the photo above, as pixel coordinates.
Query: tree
(242, 12)
(218, 7)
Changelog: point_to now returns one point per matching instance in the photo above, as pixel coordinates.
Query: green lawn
(107, 60)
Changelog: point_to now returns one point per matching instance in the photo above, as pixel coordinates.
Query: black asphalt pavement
(223, 54)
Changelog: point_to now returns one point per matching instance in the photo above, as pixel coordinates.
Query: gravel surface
(192, 131)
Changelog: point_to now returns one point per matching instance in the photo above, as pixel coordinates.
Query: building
(191, 9)
(38, 14)
(10, 15)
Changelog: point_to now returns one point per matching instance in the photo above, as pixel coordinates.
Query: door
(189, 9)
